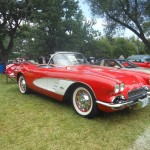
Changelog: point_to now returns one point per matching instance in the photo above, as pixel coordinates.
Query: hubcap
(83, 101)
(22, 85)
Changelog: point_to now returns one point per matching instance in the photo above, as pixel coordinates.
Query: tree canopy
(12, 13)
(31, 28)
(121, 14)
(42, 27)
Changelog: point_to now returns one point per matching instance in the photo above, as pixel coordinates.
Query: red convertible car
(145, 64)
(90, 88)
(140, 60)
(123, 64)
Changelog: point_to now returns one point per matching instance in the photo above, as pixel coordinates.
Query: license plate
(141, 103)
(145, 102)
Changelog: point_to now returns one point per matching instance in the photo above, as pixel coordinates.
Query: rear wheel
(84, 102)
(22, 85)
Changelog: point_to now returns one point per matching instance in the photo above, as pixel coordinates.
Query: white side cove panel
(58, 86)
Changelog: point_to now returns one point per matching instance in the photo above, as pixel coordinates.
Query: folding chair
(9, 72)
(10, 77)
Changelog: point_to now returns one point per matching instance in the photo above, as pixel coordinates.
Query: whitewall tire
(84, 102)
(22, 85)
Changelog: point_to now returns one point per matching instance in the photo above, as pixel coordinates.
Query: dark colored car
(122, 63)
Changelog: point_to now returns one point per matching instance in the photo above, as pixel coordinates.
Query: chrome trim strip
(114, 105)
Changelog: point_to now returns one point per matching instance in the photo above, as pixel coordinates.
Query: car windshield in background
(147, 60)
(67, 59)
(141, 58)
(127, 64)
(136, 57)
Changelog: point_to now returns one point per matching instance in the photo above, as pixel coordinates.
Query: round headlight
(122, 87)
(116, 88)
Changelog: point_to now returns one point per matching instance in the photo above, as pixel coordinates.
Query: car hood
(142, 69)
(115, 74)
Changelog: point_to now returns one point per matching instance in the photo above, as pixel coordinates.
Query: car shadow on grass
(68, 105)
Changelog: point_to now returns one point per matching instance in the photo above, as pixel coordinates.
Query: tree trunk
(4, 57)
(146, 42)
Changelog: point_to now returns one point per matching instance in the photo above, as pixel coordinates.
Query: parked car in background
(142, 64)
(140, 60)
(10, 70)
(91, 60)
(123, 64)
(13, 64)
(90, 88)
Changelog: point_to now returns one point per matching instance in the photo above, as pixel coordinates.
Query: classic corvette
(140, 60)
(145, 64)
(123, 64)
(90, 88)
(9, 71)
(10, 68)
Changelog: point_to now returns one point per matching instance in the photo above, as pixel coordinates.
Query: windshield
(147, 59)
(140, 58)
(67, 59)
(127, 64)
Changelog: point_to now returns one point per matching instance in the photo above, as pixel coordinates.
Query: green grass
(36, 122)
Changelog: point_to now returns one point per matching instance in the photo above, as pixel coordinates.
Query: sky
(100, 22)
(87, 13)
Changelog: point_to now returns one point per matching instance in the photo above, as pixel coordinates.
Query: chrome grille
(137, 94)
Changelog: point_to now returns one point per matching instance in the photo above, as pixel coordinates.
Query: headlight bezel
(122, 86)
(116, 88)
(119, 87)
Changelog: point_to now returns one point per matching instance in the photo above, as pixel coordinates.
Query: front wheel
(84, 102)
(22, 85)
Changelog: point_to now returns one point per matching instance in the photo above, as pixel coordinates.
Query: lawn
(36, 122)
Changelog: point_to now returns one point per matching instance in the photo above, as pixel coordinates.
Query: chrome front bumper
(140, 103)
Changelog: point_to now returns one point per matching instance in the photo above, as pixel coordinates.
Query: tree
(12, 13)
(101, 48)
(23, 44)
(52, 24)
(107, 47)
(139, 46)
(58, 26)
(123, 46)
(121, 14)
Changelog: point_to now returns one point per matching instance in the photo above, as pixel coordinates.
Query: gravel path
(143, 142)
